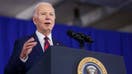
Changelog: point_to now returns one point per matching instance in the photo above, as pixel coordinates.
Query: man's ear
(55, 17)
(34, 20)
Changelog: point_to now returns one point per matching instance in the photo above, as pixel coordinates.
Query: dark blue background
(104, 41)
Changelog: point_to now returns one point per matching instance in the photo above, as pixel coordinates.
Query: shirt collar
(41, 36)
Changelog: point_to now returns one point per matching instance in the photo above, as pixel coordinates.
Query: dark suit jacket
(15, 65)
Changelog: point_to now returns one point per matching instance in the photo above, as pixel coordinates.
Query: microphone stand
(84, 38)
(81, 44)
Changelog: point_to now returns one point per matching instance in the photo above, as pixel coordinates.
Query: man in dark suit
(28, 50)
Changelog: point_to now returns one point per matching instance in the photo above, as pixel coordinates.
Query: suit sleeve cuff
(24, 60)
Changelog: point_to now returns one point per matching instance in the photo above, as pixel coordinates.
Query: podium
(63, 60)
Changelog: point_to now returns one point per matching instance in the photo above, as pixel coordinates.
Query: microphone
(86, 38)
(75, 35)
(79, 36)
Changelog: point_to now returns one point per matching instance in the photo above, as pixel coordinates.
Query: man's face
(44, 18)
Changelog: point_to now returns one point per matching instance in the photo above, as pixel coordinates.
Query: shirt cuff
(24, 60)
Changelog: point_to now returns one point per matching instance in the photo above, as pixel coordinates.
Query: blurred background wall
(102, 14)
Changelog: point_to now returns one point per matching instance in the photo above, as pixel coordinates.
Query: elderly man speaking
(28, 50)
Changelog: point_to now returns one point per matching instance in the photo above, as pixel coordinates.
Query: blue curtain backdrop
(104, 41)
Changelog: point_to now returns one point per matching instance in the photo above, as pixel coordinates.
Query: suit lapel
(38, 49)
(56, 43)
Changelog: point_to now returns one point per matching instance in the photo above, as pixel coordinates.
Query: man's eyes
(43, 13)
(52, 14)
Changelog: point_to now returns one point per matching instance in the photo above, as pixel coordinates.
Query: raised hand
(27, 48)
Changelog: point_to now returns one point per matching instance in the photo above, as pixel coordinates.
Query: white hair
(41, 3)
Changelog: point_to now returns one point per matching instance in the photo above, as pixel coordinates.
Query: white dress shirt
(41, 39)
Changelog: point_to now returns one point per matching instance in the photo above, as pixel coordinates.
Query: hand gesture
(27, 48)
